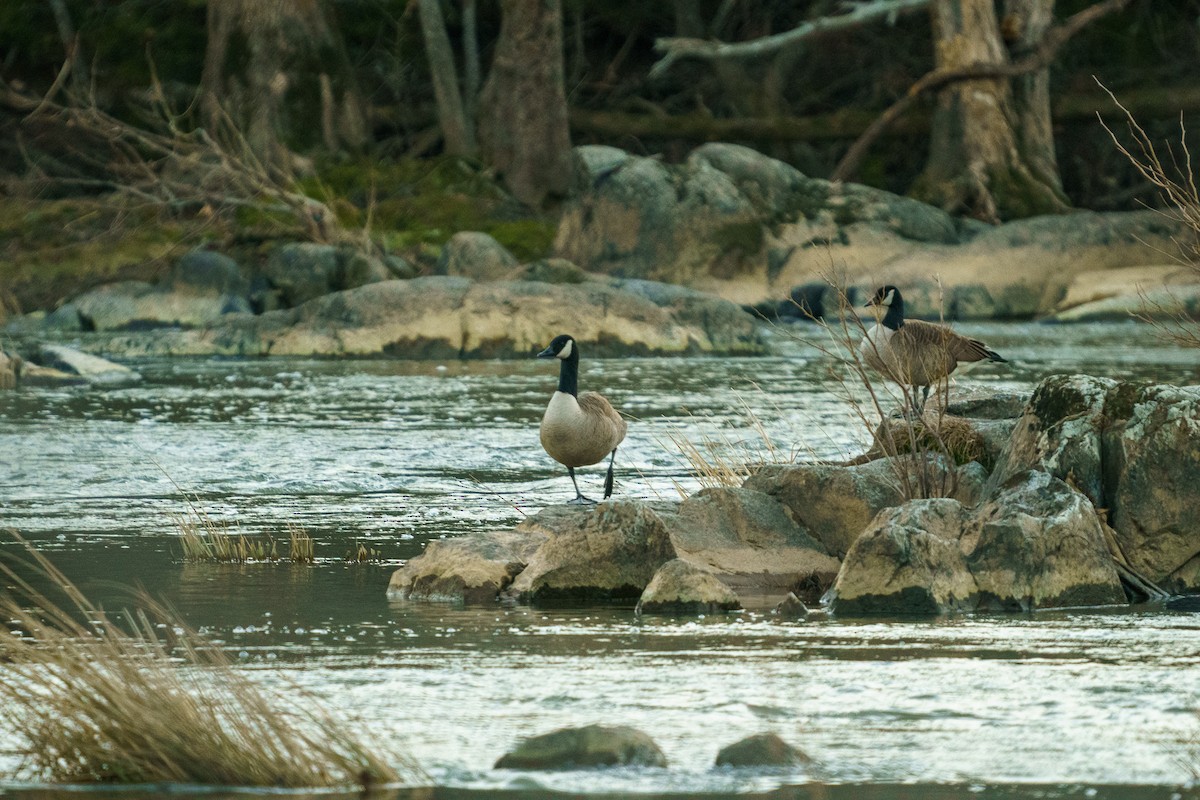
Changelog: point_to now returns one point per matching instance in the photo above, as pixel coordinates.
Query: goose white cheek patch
(566, 351)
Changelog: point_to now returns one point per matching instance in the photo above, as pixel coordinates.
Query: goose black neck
(894, 318)
(568, 373)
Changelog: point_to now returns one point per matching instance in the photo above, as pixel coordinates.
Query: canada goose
(912, 352)
(579, 429)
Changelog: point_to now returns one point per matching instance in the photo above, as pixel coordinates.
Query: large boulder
(470, 569)
(451, 317)
(1132, 450)
(1037, 543)
(588, 746)
(734, 222)
(475, 255)
(747, 539)
(1151, 478)
(607, 553)
(303, 271)
(908, 561)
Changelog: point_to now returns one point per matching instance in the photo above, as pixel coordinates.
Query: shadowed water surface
(393, 454)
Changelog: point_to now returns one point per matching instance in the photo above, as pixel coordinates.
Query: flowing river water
(392, 454)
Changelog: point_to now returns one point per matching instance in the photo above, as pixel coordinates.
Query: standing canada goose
(915, 353)
(579, 429)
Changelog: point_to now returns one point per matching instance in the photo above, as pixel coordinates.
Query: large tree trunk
(1025, 23)
(975, 165)
(523, 111)
(274, 67)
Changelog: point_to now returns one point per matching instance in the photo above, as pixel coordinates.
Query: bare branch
(1039, 59)
(677, 49)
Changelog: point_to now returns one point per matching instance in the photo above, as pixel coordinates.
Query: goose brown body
(916, 353)
(578, 432)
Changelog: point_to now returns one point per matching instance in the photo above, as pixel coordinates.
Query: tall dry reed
(138, 697)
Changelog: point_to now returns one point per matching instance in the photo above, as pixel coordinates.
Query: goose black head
(885, 297)
(562, 347)
(888, 302)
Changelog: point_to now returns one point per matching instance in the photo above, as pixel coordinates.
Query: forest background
(129, 130)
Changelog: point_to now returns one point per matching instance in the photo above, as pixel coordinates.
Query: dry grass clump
(138, 697)
(728, 460)
(205, 540)
(362, 554)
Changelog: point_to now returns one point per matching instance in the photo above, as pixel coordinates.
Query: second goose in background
(579, 429)
(915, 353)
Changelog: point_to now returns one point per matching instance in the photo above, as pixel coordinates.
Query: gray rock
(399, 267)
(835, 503)
(64, 318)
(207, 272)
(1151, 479)
(553, 270)
(747, 539)
(470, 569)
(761, 750)
(475, 255)
(89, 367)
(589, 746)
(302, 271)
(680, 587)
(606, 553)
(1036, 544)
(908, 561)
(136, 305)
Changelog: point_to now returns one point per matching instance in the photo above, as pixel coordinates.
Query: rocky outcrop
(1037, 544)
(1154, 291)
(137, 305)
(761, 750)
(449, 317)
(734, 222)
(1131, 450)
(836, 503)
(589, 746)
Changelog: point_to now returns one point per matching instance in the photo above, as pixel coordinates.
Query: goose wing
(605, 417)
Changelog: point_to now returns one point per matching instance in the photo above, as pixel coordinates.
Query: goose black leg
(579, 498)
(608, 479)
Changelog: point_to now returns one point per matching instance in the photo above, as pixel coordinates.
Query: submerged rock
(761, 750)
(589, 746)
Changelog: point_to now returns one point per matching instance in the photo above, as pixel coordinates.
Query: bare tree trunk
(458, 136)
(273, 67)
(523, 109)
(1025, 23)
(471, 69)
(975, 166)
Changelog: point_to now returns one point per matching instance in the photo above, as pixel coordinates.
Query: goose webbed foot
(580, 500)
